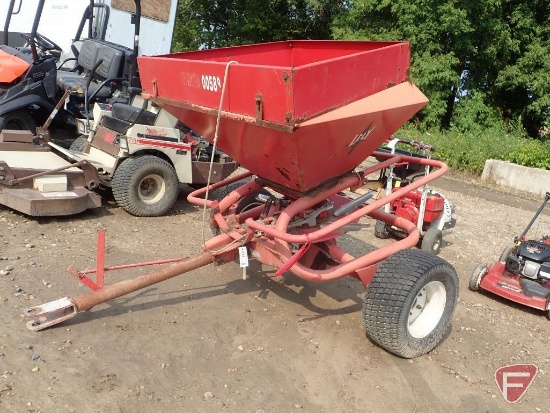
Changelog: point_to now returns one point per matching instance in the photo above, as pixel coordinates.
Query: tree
(440, 34)
(517, 65)
(488, 60)
(494, 49)
(207, 24)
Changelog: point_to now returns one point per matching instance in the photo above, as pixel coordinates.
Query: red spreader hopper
(295, 113)
(301, 116)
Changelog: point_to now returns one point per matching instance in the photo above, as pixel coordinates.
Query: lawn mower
(263, 106)
(32, 79)
(142, 153)
(522, 273)
(425, 207)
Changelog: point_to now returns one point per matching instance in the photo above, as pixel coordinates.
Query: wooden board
(155, 9)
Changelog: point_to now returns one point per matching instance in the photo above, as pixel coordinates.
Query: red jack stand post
(101, 269)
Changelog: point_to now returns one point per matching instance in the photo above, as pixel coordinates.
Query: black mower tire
(512, 249)
(410, 283)
(145, 186)
(381, 230)
(19, 119)
(244, 203)
(432, 240)
(78, 144)
(477, 275)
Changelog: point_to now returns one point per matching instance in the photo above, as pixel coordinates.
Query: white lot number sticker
(243, 257)
(211, 83)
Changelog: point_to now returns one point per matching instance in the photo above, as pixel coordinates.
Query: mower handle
(423, 146)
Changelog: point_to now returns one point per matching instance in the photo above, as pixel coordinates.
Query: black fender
(24, 102)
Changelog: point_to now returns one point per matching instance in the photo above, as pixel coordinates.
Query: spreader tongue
(49, 314)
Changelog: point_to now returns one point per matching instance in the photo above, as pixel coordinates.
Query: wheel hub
(427, 309)
(151, 189)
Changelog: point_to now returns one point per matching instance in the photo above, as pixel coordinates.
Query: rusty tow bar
(55, 312)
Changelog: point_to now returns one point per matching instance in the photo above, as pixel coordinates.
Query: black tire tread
(473, 283)
(221, 194)
(123, 190)
(432, 237)
(511, 249)
(384, 311)
(243, 202)
(381, 230)
(21, 116)
(78, 144)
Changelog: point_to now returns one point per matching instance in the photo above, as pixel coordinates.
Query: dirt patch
(211, 341)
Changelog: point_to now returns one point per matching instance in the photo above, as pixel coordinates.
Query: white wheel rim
(427, 309)
(480, 275)
(437, 244)
(151, 189)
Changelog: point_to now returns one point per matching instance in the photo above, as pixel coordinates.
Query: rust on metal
(279, 130)
(18, 178)
(259, 115)
(55, 312)
(163, 102)
(87, 301)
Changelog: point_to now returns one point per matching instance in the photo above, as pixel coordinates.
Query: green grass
(469, 151)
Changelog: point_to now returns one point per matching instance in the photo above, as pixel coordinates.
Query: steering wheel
(43, 43)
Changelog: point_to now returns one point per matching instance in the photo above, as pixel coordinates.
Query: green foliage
(484, 65)
(441, 36)
(497, 48)
(533, 153)
(473, 114)
(207, 24)
(471, 58)
(469, 151)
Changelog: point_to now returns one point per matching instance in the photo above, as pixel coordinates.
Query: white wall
(59, 22)
(155, 36)
(60, 19)
(522, 178)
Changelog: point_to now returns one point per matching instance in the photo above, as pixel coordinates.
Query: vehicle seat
(68, 62)
(90, 54)
(123, 116)
(133, 114)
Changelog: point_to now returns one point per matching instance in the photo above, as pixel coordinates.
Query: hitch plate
(46, 315)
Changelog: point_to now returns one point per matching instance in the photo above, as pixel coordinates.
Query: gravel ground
(209, 341)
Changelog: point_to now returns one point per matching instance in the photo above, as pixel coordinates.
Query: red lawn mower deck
(522, 273)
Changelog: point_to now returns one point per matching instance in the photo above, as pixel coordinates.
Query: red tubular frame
(270, 243)
(282, 238)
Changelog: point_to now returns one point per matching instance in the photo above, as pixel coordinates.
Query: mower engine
(408, 207)
(532, 260)
(522, 273)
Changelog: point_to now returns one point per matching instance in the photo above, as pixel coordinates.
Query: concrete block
(522, 178)
(50, 183)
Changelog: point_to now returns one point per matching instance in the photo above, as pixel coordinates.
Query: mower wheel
(78, 144)
(479, 272)
(18, 120)
(409, 303)
(145, 186)
(510, 250)
(245, 203)
(432, 240)
(381, 230)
